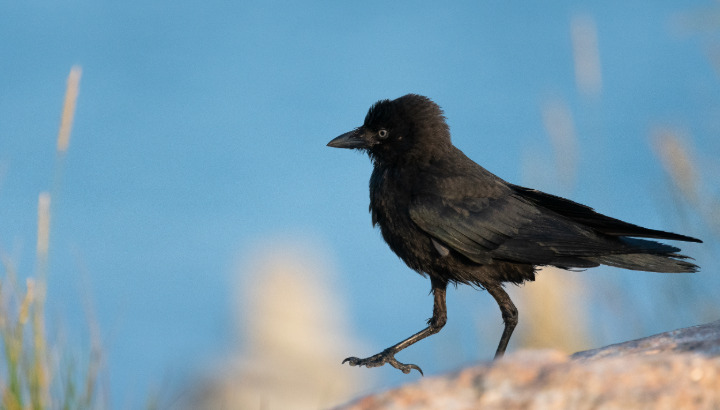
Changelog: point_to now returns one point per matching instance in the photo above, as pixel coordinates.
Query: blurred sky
(201, 127)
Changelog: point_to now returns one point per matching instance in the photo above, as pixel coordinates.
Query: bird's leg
(435, 323)
(509, 315)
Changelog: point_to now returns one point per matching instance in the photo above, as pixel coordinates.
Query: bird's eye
(382, 134)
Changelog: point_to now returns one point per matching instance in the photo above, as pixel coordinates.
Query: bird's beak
(353, 139)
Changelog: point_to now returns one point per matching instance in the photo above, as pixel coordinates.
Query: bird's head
(408, 128)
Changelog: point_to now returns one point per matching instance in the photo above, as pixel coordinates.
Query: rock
(704, 339)
(673, 370)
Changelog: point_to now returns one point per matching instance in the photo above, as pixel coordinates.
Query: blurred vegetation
(293, 336)
(35, 371)
(31, 375)
(556, 310)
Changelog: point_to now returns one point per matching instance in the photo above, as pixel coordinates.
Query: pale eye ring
(383, 133)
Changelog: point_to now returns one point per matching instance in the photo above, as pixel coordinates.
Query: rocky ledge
(672, 370)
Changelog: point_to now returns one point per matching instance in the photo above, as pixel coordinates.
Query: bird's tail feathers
(649, 256)
(665, 263)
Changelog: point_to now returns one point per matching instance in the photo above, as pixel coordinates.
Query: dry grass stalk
(679, 163)
(68, 113)
(586, 52)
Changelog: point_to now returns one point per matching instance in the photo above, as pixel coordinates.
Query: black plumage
(452, 220)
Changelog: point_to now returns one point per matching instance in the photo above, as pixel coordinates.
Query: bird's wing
(588, 217)
(508, 228)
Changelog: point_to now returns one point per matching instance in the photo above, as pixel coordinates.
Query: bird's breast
(390, 196)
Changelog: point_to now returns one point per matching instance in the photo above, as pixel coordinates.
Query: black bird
(450, 219)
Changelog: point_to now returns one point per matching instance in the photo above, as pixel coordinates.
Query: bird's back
(494, 231)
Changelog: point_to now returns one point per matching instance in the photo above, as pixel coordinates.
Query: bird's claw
(382, 358)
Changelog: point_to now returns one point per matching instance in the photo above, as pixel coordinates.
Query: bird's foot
(386, 356)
